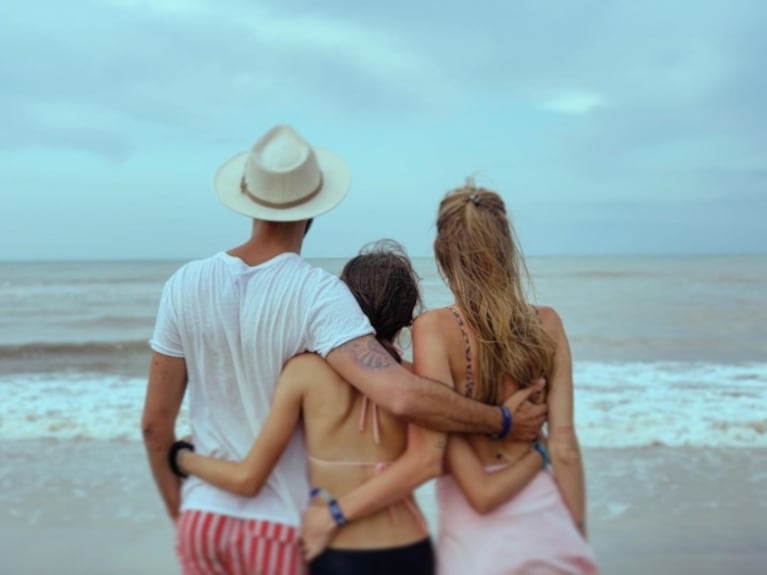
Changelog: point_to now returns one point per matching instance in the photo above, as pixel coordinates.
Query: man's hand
(317, 529)
(527, 417)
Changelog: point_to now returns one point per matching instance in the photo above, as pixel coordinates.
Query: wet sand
(90, 507)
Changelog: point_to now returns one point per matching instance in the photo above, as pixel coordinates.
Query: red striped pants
(212, 544)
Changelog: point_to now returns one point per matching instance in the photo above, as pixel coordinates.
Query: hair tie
(473, 198)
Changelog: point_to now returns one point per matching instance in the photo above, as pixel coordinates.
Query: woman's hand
(317, 529)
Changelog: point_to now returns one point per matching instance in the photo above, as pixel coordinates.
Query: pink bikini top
(377, 466)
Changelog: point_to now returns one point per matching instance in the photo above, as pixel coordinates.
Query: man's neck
(268, 240)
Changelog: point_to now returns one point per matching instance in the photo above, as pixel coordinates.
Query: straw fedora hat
(282, 179)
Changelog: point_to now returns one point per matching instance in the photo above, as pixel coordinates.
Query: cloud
(378, 51)
(571, 104)
(165, 68)
(164, 7)
(576, 103)
(262, 39)
(204, 66)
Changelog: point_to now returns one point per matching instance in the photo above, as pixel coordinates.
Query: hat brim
(336, 180)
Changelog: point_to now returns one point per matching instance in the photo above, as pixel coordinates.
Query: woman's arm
(246, 477)
(421, 461)
(487, 490)
(563, 441)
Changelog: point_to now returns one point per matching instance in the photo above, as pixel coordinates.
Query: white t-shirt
(236, 326)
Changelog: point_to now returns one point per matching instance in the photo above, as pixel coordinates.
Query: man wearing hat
(225, 327)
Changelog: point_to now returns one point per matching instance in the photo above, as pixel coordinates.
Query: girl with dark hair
(493, 519)
(375, 525)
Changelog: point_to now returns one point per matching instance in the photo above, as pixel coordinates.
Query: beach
(671, 400)
(91, 508)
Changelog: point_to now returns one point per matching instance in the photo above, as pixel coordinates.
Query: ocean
(668, 351)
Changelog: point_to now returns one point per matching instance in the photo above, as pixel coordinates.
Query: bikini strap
(363, 412)
(467, 347)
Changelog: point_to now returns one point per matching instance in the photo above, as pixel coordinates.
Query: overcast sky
(608, 127)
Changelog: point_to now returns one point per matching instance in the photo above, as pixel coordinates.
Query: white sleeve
(166, 338)
(335, 318)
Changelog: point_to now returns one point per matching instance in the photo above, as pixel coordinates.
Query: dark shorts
(413, 559)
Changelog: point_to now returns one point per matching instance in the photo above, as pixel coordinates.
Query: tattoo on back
(370, 354)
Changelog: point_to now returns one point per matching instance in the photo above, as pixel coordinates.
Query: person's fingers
(306, 552)
(522, 395)
(533, 410)
(519, 397)
(310, 555)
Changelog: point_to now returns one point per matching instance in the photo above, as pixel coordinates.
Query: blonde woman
(494, 342)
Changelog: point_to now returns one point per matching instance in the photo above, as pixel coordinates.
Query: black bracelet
(507, 422)
(173, 453)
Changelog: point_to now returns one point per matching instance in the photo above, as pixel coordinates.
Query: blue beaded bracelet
(507, 422)
(335, 510)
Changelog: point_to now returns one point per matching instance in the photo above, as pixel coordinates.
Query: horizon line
(412, 256)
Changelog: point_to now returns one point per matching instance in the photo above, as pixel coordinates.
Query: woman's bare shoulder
(434, 319)
(551, 320)
(309, 366)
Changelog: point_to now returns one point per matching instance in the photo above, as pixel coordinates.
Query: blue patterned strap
(541, 448)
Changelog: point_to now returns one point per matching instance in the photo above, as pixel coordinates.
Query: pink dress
(531, 534)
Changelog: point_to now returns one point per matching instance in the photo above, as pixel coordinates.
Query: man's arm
(165, 392)
(365, 364)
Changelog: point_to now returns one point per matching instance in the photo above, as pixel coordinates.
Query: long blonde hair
(477, 254)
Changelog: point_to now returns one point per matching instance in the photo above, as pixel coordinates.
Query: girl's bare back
(348, 440)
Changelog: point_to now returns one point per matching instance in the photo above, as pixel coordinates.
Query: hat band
(279, 205)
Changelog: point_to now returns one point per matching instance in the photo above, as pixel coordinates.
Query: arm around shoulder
(365, 364)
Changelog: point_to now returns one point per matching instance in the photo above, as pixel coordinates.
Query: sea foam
(617, 405)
